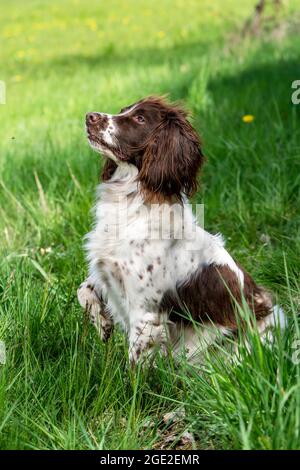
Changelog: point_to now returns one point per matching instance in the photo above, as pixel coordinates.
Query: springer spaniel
(152, 268)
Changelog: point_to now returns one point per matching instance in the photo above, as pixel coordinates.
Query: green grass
(60, 387)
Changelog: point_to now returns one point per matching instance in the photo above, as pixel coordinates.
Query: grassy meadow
(60, 388)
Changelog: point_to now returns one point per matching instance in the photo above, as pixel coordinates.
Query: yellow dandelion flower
(39, 26)
(92, 24)
(248, 118)
(21, 54)
(17, 78)
(161, 34)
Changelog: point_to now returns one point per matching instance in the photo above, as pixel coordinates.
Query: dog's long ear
(171, 160)
(108, 169)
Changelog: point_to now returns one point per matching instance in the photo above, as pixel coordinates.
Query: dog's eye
(139, 118)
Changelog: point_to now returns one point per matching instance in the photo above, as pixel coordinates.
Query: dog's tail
(276, 320)
(279, 317)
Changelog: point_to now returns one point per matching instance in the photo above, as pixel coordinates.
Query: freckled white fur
(109, 132)
(132, 270)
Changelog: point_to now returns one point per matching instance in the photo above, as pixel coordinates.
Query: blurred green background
(61, 388)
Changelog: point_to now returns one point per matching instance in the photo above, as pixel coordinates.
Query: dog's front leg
(148, 332)
(90, 298)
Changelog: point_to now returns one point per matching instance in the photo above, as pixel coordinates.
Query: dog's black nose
(92, 118)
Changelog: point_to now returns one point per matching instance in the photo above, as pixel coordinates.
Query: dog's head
(154, 136)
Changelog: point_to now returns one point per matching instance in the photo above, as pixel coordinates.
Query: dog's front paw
(94, 306)
(87, 296)
(146, 355)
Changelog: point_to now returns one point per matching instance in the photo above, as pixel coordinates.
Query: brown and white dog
(153, 269)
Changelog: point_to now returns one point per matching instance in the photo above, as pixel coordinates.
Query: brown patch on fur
(172, 155)
(210, 294)
(258, 299)
(108, 170)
